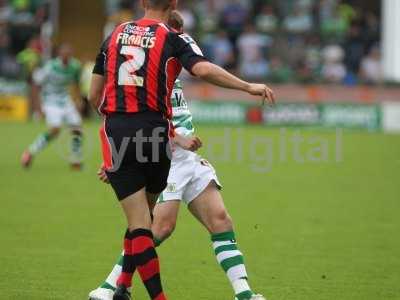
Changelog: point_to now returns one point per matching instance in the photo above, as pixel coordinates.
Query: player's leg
(164, 221)
(106, 290)
(76, 148)
(207, 205)
(131, 181)
(139, 249)
(210, 210)
(74, 120)
(165, 214)
(54, 117)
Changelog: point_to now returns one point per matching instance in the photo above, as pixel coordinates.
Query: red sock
(147, 263)
(128, 263)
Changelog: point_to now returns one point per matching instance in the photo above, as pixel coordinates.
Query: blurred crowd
(25, 33)
(327, 41)
(306, 41)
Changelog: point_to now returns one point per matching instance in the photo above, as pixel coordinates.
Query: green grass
(309, 231)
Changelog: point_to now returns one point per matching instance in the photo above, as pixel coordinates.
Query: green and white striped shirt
(181, 115)
(55, 79)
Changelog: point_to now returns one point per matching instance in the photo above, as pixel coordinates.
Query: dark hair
(176, 20)
(160, 4)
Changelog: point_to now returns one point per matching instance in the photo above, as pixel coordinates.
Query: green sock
(232, 262)
(39, 144)
(157, 242)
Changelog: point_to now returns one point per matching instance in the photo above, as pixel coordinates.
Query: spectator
(303, 73)
(22, 24)
(221, 50)
(334, 27)
(326, 9)
(256, 67)
(333, 70)
(347, 12)
(298, 21)
(189, 18)
(267, 21)
(279, 71)
(29, 58)
(8, 66)
(5, 12)
(371, 67)
(312, 54)
(252, 46)
(371, 29)
(233, 19)
(354, 49)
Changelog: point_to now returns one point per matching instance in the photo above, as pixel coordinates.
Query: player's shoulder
(185, 37)
(178, 85)
(182, 38)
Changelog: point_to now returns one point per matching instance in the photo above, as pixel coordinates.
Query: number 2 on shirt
(136, 58)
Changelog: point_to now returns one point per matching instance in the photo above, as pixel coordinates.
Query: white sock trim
(228, 254)
(113, 277)
(236, 273)
(240, 286)
(222, 243)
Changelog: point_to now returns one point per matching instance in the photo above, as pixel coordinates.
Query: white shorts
(57, 115)
(188, 177)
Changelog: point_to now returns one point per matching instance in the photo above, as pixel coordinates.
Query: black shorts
(136, 152)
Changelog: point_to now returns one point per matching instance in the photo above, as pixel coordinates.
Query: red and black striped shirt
(141, 61)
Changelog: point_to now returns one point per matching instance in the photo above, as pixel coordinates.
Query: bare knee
(54, 132)
(76, 131)
(221, 221)
(164, 229)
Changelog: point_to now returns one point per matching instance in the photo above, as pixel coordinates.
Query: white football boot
(256, 297)
(101, 294)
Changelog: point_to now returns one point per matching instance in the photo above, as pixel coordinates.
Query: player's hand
(267, 94)
(101, 173)
(188, 143)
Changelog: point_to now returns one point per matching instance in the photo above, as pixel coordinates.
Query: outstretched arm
(220, 77)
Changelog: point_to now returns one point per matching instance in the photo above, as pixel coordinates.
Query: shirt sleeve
(100, 64)
(40, 76)
(187, 51)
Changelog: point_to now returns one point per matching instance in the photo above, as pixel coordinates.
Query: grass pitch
(323, 227)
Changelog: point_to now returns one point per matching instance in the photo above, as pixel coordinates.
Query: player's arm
(39, 77)
(102, 175)
(35, 94)
(97, 84)
(96, 90)
(191, 57)
(222, 78)
(188, 143)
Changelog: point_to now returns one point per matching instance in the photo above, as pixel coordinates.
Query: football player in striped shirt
(192, 181)
(54, 80)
